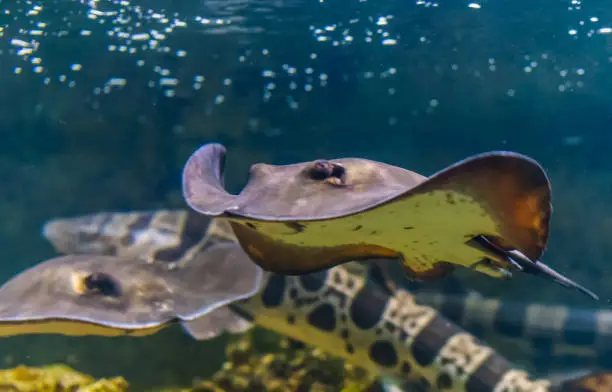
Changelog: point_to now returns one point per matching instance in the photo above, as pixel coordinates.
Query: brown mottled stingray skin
(305, 217)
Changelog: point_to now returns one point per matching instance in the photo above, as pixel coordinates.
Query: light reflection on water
(165, 45)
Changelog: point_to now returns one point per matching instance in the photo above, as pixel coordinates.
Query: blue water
(101, 103)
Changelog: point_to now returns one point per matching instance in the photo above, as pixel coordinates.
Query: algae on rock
(291, 367)
(56, 378)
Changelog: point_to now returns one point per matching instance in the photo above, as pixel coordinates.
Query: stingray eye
(321, 170)
(326, 170)
(101, 283)
(338, 171)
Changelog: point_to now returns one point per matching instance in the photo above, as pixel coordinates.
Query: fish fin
(215, 324)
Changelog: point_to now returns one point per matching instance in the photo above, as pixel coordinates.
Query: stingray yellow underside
(70, 328)
(424, 229)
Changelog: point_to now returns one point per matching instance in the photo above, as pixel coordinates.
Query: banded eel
(550, 334)
(339, 310)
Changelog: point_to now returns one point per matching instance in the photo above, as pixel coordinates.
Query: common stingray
(489, 212)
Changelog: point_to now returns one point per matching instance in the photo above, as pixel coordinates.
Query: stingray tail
(524, 264)
(541, 269)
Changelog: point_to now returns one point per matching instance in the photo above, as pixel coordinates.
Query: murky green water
(101, 103)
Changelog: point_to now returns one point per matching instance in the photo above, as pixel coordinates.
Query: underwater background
(101, 103)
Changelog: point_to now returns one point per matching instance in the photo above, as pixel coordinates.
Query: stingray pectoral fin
(203, 188)
(216, 323)
(510, 189)
(274, 255)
